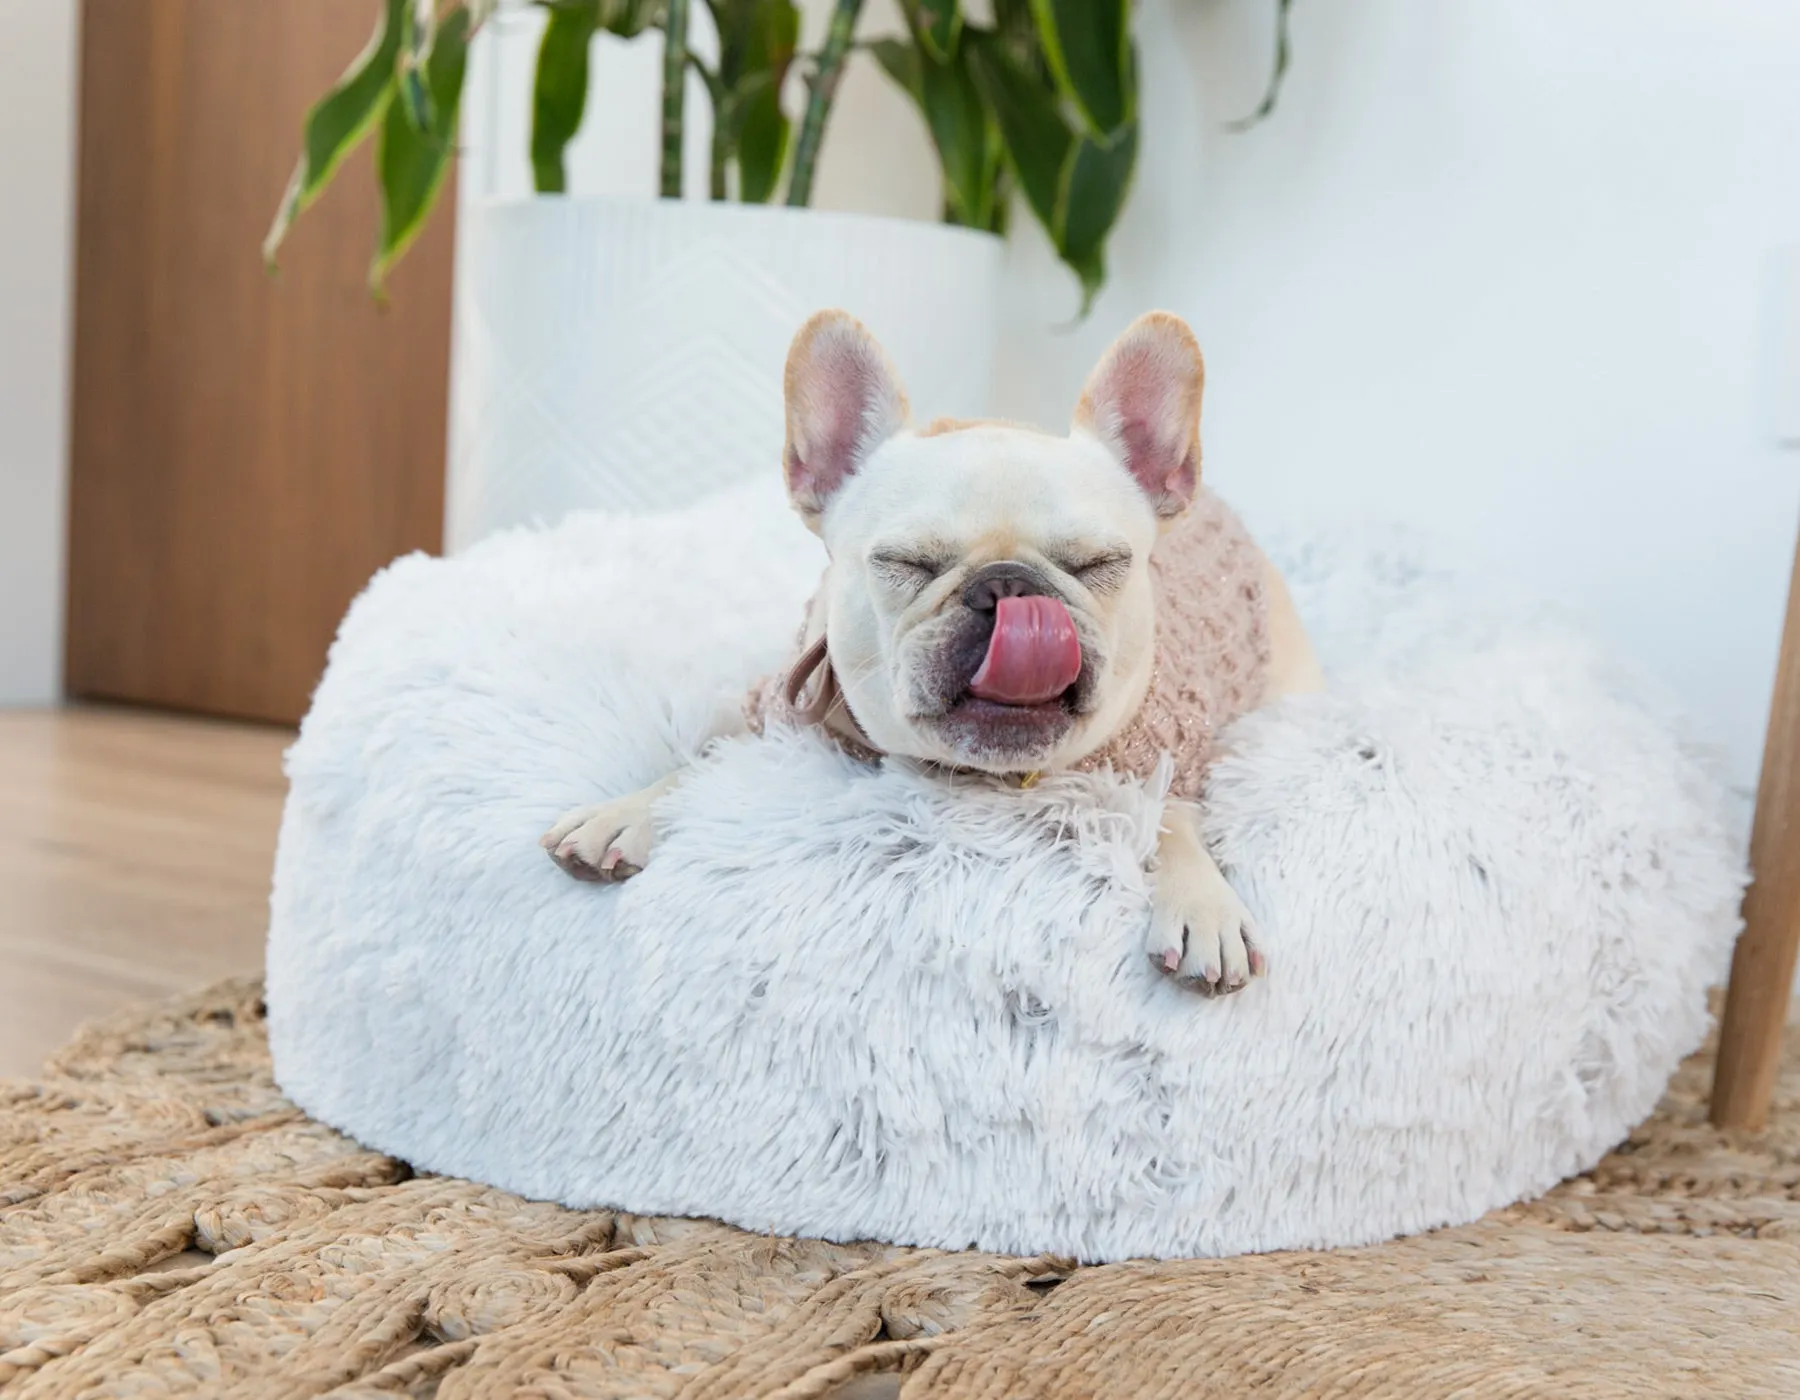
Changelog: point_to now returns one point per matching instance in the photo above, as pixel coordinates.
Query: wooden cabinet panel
(245, 450)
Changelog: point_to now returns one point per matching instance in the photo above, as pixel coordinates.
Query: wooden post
(1762, 968)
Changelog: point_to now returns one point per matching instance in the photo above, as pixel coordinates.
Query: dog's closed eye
(906, 571)
(1102, 572)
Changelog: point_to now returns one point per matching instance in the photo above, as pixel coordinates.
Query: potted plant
(629, 352)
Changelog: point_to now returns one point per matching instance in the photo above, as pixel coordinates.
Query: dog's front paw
(1202, 936)
(608, 843)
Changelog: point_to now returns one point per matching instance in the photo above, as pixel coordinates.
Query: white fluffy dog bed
(856, 1003)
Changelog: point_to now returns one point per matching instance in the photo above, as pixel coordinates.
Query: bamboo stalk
(675, 62)
(716, 188)
(827, 74)
(721, 148)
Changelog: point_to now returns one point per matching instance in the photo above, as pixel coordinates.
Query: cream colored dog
(989, 602)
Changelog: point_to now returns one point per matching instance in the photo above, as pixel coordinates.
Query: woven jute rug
(170, 1225)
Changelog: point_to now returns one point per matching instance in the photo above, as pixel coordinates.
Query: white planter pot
(628, 353)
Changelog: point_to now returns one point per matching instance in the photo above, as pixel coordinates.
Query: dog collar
(830, 697)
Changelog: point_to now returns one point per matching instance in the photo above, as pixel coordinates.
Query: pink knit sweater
(1212, 653)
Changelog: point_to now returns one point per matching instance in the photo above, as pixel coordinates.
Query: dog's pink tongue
(1033, 656)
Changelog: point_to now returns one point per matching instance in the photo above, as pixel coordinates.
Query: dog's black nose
(1006, 579)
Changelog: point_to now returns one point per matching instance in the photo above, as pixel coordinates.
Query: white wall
(37, 129)
(1495, 269)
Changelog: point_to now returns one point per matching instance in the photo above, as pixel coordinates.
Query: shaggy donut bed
(170, 1225)
(855, 1002)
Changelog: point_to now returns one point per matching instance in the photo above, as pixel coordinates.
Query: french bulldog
(1011, 602)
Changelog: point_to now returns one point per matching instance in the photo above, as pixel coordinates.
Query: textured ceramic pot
(628, 353)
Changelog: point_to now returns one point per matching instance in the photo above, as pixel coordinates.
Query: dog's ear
(843, 401)
(1143, 402)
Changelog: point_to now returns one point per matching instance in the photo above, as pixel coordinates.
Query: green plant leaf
(1088, 46)
(755, 37)
(559, 93)
(1095, 186)
(339, 121)
(1075, 184)
(410, 164)
(901, 62)
(1015, 29)
(956, 114)
(418, 26)
(1283, 54)
(775, 37)
(938, 23)
(415, 98)
(764, 132)
(966, 137)
(757, 43)
(1037, 139)
(625, 18)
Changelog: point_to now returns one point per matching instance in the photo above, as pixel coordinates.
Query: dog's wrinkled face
(988, 602)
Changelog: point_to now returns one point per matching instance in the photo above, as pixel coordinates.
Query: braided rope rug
(170, 1225)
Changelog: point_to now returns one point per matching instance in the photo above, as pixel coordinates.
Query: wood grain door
(245, 450)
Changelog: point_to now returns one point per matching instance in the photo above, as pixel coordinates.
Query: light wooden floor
(134, 861)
